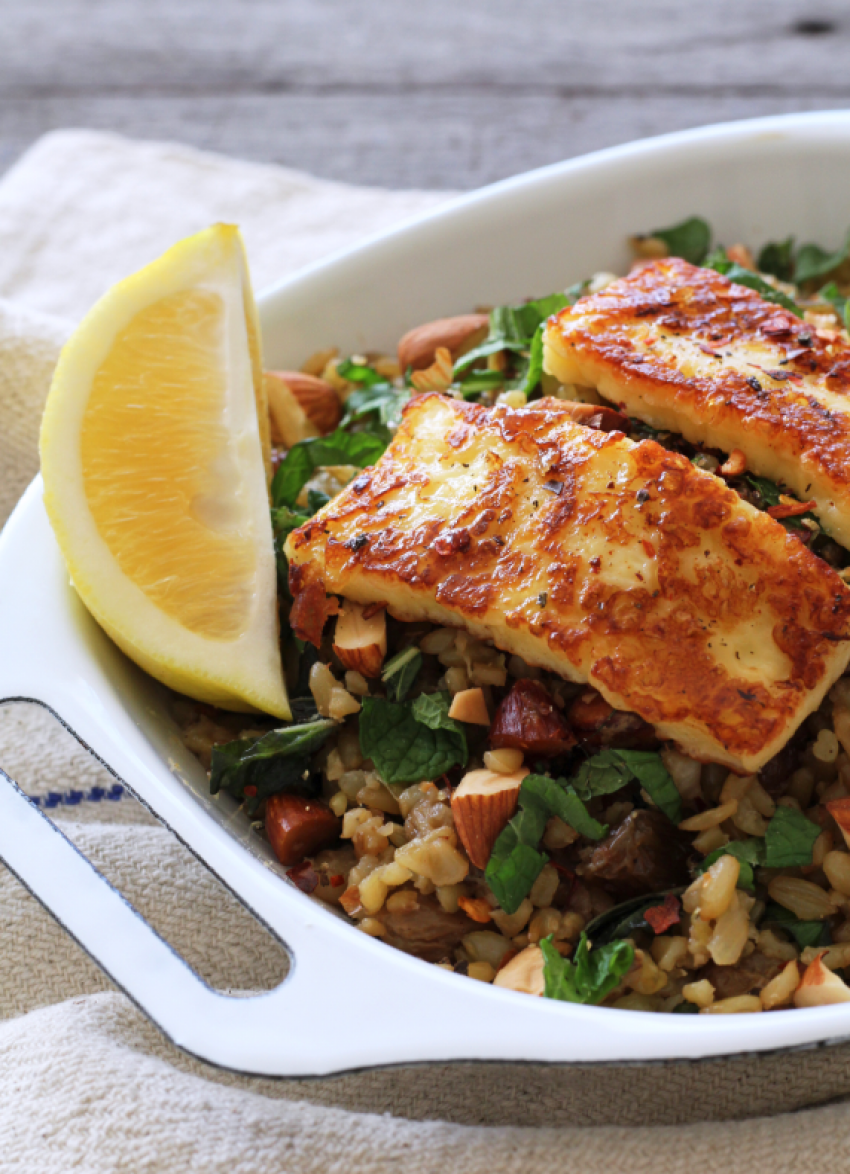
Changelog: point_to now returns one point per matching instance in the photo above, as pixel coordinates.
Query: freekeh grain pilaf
(486, 814)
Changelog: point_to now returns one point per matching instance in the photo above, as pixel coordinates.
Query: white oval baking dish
(527, 236)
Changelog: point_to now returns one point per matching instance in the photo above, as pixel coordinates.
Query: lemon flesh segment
(154, 456)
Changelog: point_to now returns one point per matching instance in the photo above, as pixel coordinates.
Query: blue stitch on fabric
(74, 798)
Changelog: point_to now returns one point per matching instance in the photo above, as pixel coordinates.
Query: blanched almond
(318, 400)
(288, 421)
(523, 973)
(418, 347)
(820, 987)
(360, 641)
(469, 706)
(481, 806)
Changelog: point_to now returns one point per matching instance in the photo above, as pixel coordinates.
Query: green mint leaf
(477, 381)
(379, 405)
(403, 749)
(650, 771)
(400, 672)
(512, 328)
(627, 917)
(748, 853)
(806, 933)
(284, 521)
(718, 260)
(515, 862)
(831, 293)
(789, 839)
(602, 774)
(516, 859)
(360, 373)
(560, 799)
(813, 261)
(432, 709)
(769, 493)
(690, 239)
(316, 500)
(590, 975)
(274, 762)
(777, 258)
(534, 371)
(573, 292)
(610, 770)
(303, 459)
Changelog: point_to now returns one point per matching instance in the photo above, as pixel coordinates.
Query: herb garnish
(400, 672)
(806, 933)
(748, 853)
(789, 839)
(590, 975)
(610, 770)
(254, 768)
(690, 239)
(519, 330)
(720, 263)
(412, 741)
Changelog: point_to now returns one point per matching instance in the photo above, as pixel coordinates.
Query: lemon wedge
(154, 453)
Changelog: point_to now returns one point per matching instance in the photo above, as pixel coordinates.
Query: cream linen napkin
(85, 1082)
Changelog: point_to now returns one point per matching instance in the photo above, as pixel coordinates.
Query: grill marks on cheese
(685, 349)
(604, 560)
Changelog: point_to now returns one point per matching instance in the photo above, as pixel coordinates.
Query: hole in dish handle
(213, 1026)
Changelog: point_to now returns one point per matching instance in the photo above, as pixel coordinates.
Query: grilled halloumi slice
(687, 350)
(607, 561)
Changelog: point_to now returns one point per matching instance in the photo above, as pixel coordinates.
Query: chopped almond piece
(360, 640)
(820, 986)
(481, 806)
(523, 973)
(475, 908)
(735, 464)
(469, 706)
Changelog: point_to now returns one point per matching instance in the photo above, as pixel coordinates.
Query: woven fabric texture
(86, 1083)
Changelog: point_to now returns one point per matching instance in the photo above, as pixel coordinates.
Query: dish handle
(209, 1024)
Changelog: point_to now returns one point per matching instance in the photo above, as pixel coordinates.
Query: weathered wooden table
(411, 93)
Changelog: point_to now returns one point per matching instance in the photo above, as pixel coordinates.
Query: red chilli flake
(250, 791)
(661, 917)
(336, 880)
(303, 876)
(792, 510)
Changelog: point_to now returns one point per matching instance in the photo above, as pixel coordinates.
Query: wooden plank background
(411, 93)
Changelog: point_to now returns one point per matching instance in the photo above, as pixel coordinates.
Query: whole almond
(317, 398)
(288, 422)
(418, 347)
(481, 806)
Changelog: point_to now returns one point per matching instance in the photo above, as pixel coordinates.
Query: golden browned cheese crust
(604, 560)
(684, 348)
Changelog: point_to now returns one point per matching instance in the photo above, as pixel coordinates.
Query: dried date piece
(598, 724)
(644, 854)
(528, 720)
(297, 826)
